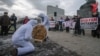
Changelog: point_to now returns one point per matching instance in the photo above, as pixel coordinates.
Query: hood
(32, 22)
(41, 15)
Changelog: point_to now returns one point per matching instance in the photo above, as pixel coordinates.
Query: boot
(14, 52)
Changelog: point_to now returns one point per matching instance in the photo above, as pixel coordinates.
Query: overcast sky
(34, 7)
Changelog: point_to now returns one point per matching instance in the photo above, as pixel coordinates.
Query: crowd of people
(67, 24)
(7, 22)
(21, 39)
(72, 24)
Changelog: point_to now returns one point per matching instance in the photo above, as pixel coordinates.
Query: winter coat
(13, 19)
(5, 21)
(77, 25)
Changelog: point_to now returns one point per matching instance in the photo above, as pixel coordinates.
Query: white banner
(89, 23)
(52, 24)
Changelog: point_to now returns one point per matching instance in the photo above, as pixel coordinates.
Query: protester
(26, 20)
(5, 22)
(98, 28)
(13, 20)
(57, 26)
(81, 30)
(72, 25)
(66, 18)
(61, 24)
(77, 26)
(52, 24)
(67, 24)
(95, 33)
(21, 39)
(52, 19)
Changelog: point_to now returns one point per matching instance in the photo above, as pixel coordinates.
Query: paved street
(84, 45)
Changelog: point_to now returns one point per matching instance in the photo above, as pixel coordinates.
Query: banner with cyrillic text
(89, 23)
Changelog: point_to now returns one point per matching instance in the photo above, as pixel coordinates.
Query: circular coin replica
(39, 33)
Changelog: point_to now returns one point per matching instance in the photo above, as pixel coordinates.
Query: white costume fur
(21, 38)
(46, 21)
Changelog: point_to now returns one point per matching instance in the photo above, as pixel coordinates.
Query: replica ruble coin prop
(39, 33)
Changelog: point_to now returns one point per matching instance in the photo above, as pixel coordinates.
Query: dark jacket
(5, 21)
(98, 27)
(77, 25)
(14, 19)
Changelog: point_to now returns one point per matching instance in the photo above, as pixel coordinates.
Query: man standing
(13, 20)
(52, 24)
(61, 23)
(77, 25)
(67, 23)
(5, 22)
(21, 39)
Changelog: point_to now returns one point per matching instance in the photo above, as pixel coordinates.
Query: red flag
(94, 7)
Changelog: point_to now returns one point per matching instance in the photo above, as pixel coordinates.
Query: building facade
(55, 12)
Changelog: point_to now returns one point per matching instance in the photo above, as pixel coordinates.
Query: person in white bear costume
(44, 21)
(21, 39)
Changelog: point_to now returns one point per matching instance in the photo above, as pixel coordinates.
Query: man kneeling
(21, 39)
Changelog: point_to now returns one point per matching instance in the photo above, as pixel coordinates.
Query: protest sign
(52, 24)
(89, 23)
